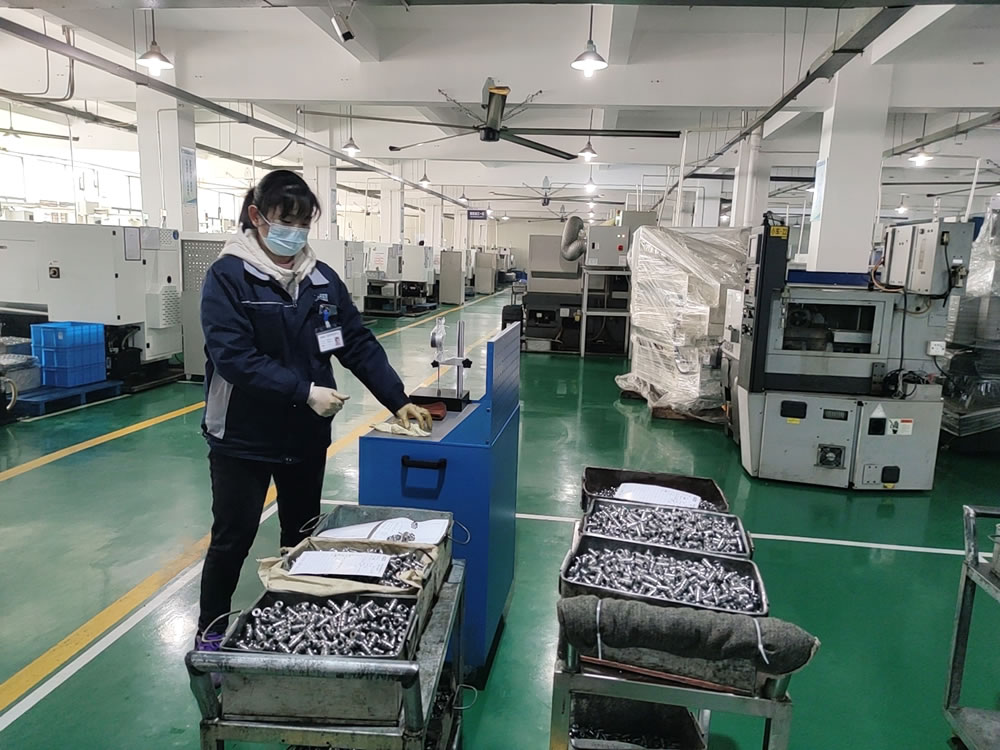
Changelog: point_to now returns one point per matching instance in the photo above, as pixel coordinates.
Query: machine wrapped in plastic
(22, 369)
(680, 278)
(972, 390)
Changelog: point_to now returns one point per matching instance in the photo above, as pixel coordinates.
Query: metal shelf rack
(572, 675)
(977, 729)
(419, 679)
(605, 312)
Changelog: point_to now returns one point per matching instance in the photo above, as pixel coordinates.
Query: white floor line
(101, 645)
(29, 420)
(802, 539)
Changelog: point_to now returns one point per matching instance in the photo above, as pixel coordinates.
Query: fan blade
(424, 143)
(373, 118)
(535, 146)
(584, 132)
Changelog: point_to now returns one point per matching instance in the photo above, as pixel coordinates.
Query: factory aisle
(107, 540)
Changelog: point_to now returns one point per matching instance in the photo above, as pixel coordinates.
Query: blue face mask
(284, 240)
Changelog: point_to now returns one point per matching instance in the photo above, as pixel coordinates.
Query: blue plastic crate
(68, 345)
(68, 377)
(65, 335)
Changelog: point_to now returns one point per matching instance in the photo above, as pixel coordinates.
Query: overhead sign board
(477, 214)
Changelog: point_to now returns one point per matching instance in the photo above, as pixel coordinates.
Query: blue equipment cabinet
(469, 468)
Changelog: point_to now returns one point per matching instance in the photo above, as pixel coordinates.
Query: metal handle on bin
(412, 463)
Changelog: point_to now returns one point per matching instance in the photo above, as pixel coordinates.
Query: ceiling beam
(782, 120)
(908, 27)
(363, 47)
(623, 25)
(345, 4)
(120, 71)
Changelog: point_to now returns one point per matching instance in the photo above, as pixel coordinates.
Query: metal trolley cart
(573, 676)
(977, 729)
(418, 678)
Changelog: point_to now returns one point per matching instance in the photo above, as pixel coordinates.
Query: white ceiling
(672, 68)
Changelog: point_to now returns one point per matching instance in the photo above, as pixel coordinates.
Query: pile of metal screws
(694, 582)
(639, 740)
(367, 627)
(403, 536)
(611, 493)
(673, 527)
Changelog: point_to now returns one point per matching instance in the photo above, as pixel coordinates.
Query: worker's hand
(412, 411)
(325, 401)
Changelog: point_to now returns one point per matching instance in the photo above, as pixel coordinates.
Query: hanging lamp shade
(587, 152)
(590, 60)
(154, 60)
(351, 148)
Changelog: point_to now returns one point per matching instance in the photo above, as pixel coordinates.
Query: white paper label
(900, 426)
(648, 493)
(340, 563)
(330, 339)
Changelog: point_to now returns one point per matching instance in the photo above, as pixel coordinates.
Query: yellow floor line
(100, 440)
(15, 686)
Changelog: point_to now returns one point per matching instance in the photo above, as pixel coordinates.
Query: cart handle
(971, 514)
(413, 463)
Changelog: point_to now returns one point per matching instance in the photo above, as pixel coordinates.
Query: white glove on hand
(412, 411)
(325, 401)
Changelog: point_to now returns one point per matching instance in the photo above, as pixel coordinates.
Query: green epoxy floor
(115, 513)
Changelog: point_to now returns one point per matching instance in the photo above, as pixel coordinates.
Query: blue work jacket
(263, 356)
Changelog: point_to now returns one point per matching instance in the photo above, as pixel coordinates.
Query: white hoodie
(244, 245)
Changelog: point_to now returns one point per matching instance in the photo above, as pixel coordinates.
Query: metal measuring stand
(419, 679)
(977, 729)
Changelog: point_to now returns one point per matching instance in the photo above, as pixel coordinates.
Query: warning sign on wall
(900, 426)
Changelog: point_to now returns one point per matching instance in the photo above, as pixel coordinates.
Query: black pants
(239, 488)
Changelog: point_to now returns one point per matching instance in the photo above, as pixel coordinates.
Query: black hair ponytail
(284, 195)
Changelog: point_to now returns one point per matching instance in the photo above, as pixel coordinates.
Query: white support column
(391, 216)
(433, 213)
(755, 187)
(320, 172)
(461, 239)
(168, 165)
(741, 184)
(706, 207)
(845, 204)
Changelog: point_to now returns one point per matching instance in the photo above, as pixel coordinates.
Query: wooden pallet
(48, 399)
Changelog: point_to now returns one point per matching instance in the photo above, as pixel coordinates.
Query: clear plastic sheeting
(983, 280)
(679, 282)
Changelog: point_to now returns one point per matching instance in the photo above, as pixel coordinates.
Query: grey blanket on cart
(692, 633)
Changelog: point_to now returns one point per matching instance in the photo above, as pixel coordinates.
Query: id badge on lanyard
(329, 337)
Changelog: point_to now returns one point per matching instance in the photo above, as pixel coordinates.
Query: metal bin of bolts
(467, 467)
(349, 638)
(659, 585)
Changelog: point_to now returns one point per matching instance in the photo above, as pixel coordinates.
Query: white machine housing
(117, 276)
(417, 264)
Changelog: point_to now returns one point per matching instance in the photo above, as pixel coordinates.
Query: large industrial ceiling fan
(491, 125)
(547, 192)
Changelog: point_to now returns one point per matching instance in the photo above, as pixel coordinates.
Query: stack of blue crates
(71, 354)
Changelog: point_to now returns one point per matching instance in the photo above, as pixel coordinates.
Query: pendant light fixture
(154, 60)
(591, 204)
(425, 181)
(590, 187)
(922, 157)
(590, 59)
(902, 208)
(350, 148)
(587, 152)
(505, 217)
(489, 211)
(462, 198)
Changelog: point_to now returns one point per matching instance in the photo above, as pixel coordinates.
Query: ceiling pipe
(941, 135)
(120, 71)
(826, 66)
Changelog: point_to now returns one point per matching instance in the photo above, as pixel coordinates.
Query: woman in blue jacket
(273, 317)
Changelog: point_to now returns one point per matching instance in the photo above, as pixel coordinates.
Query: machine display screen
(828, 327)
